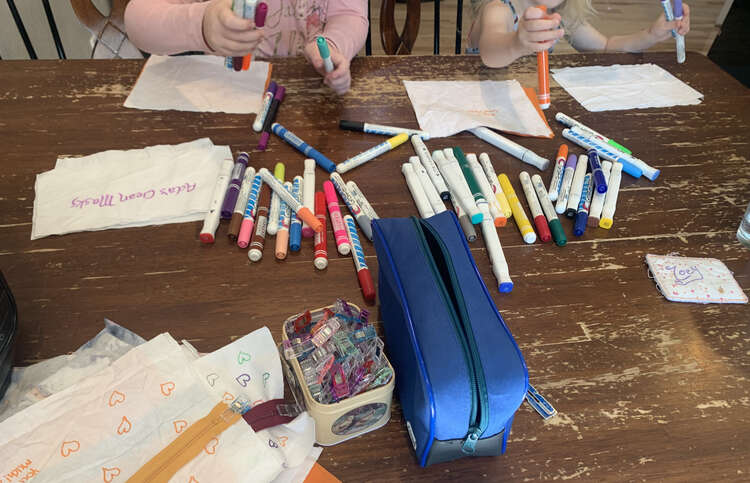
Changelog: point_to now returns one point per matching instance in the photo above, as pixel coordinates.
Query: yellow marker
(373, 152)
(522, 221)
(273, 212)
(489, 170)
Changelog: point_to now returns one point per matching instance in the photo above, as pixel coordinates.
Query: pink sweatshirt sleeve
(165, 27)
(347, 25)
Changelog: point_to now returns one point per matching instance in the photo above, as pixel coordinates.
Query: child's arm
(499, 45)
(587, 38)
(173, 26)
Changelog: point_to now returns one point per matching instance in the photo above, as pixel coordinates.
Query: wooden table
(645, 388)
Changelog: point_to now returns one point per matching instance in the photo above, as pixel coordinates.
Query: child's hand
(661, 29)
(340, 78)
(226, 34)
(538, 32)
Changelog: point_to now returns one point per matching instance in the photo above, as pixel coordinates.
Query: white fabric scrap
(619, 87)
(444, 108)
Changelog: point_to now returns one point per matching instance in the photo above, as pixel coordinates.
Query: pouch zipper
(479, 417)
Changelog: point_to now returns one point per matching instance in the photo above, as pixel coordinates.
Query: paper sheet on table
(618, 87)
(199, 83)
(444, 108)
(117, 189)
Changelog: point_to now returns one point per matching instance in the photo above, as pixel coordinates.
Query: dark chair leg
(368, 41)
(436, 46)
(53, 29)
(459, 17)
(21, 29)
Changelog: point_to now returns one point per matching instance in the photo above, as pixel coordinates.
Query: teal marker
(325, 54)
(471, 181)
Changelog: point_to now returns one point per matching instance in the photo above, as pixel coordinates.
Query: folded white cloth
(444, 108)
(116, 189)
(199, 83)
(618, 87)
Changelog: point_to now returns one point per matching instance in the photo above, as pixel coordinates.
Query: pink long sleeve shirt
(172, 26)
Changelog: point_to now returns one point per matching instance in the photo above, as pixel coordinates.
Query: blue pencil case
(460, 376)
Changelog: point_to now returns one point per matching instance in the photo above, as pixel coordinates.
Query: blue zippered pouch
(460, 376)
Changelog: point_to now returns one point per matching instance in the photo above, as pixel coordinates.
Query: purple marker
(234, 186)
(567, 181)
(270, 118)
(596, 171)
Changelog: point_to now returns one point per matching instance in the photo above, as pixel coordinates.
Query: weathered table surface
(645, 388)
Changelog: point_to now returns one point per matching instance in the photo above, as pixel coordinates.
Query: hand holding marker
(247, 9)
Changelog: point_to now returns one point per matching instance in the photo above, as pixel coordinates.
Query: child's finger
(545, 36)
(232, 22)
(532, 13)
(245, 36)
(542, 46)
(542, 24)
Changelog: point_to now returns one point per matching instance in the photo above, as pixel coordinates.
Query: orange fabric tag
(318, 474)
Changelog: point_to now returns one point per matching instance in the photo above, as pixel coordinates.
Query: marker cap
(323, 47)
(505, 287)
(282, 239)
(555, 227)
(263, 143)
(207, 237)
(580, 225)
(254, 254)
(605, 223)
(352, 125)
(246, 230)
(541, 226)
(477, 218)
(320, 263)
(365, 281)
(260, 14)
(295, 236)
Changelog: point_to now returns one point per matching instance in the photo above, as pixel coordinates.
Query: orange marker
(542, 68)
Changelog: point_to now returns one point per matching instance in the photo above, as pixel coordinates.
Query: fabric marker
(489, 171)
(597, 201)
(381, 129)
(596, 171)
(267, 99)
(230, 199)
(261, 223)
(522, 221)
(371, 153)
(436, 203)
(308, 194)
(495, 252)
(582, 215)
(268, 122)
(304, 213)
(501, 142)
(570, 122)
(610, 201)
(259, 16)
(359, 197)
(248, 219)
(303, 147)
(557, 174)
(358, 255)
(273, 212)
(553, 222)
(363, 220)
(211, 222)
(239, 207)
(464, 221)
(417, 192)
(248, 11)
(337, 223)
(238, 8)
(320, 256)
(540, 221)
(542, 70)
(325, 54)
(576, 186)
(567, 181)
(430, 167)
(295, 225)
(679, 39)
(453, 177)
(498, 218)
(282, 228)
(604, 151)
(471, 181)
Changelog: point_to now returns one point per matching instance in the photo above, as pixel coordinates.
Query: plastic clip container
(347, 418)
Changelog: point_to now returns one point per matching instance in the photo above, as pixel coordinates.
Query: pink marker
(339, 230)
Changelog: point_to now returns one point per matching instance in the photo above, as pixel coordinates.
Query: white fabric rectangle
(444, 108)
(198, 83)
(618, 87)
(116, 189)
(699, 280)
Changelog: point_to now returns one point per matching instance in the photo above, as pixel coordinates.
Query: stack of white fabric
(117, 189)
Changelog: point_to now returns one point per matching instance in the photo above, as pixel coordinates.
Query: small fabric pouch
(700, 280)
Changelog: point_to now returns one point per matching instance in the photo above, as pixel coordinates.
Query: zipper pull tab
(470, 443)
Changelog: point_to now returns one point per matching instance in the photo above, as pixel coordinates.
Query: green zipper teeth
(479, 400)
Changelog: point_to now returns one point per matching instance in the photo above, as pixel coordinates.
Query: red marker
(540, 221)
(358, 255)
(320, 259)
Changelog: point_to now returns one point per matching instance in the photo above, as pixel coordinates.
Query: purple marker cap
(272, 87)
(572, 161)
(279, 95)
(263, 143)
(260, 14)
(677, 8)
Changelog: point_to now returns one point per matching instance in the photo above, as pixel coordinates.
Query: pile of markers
(247, 9)
(338, 351)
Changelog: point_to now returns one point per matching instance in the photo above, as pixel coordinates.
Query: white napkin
(618, 87)
(699, 280)
(444, 108)
(116, 189)
(199, 83)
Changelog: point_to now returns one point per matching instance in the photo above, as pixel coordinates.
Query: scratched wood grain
(645, 388)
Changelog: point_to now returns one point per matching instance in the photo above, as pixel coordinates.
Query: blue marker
(582, 216)
(325, 54)
(596, 171)
(605, 152)
(303, 147)
(295, 227)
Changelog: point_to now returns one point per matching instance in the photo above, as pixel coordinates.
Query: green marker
(325, 54)
(471, 181)
(553, 221)
(570, 122)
